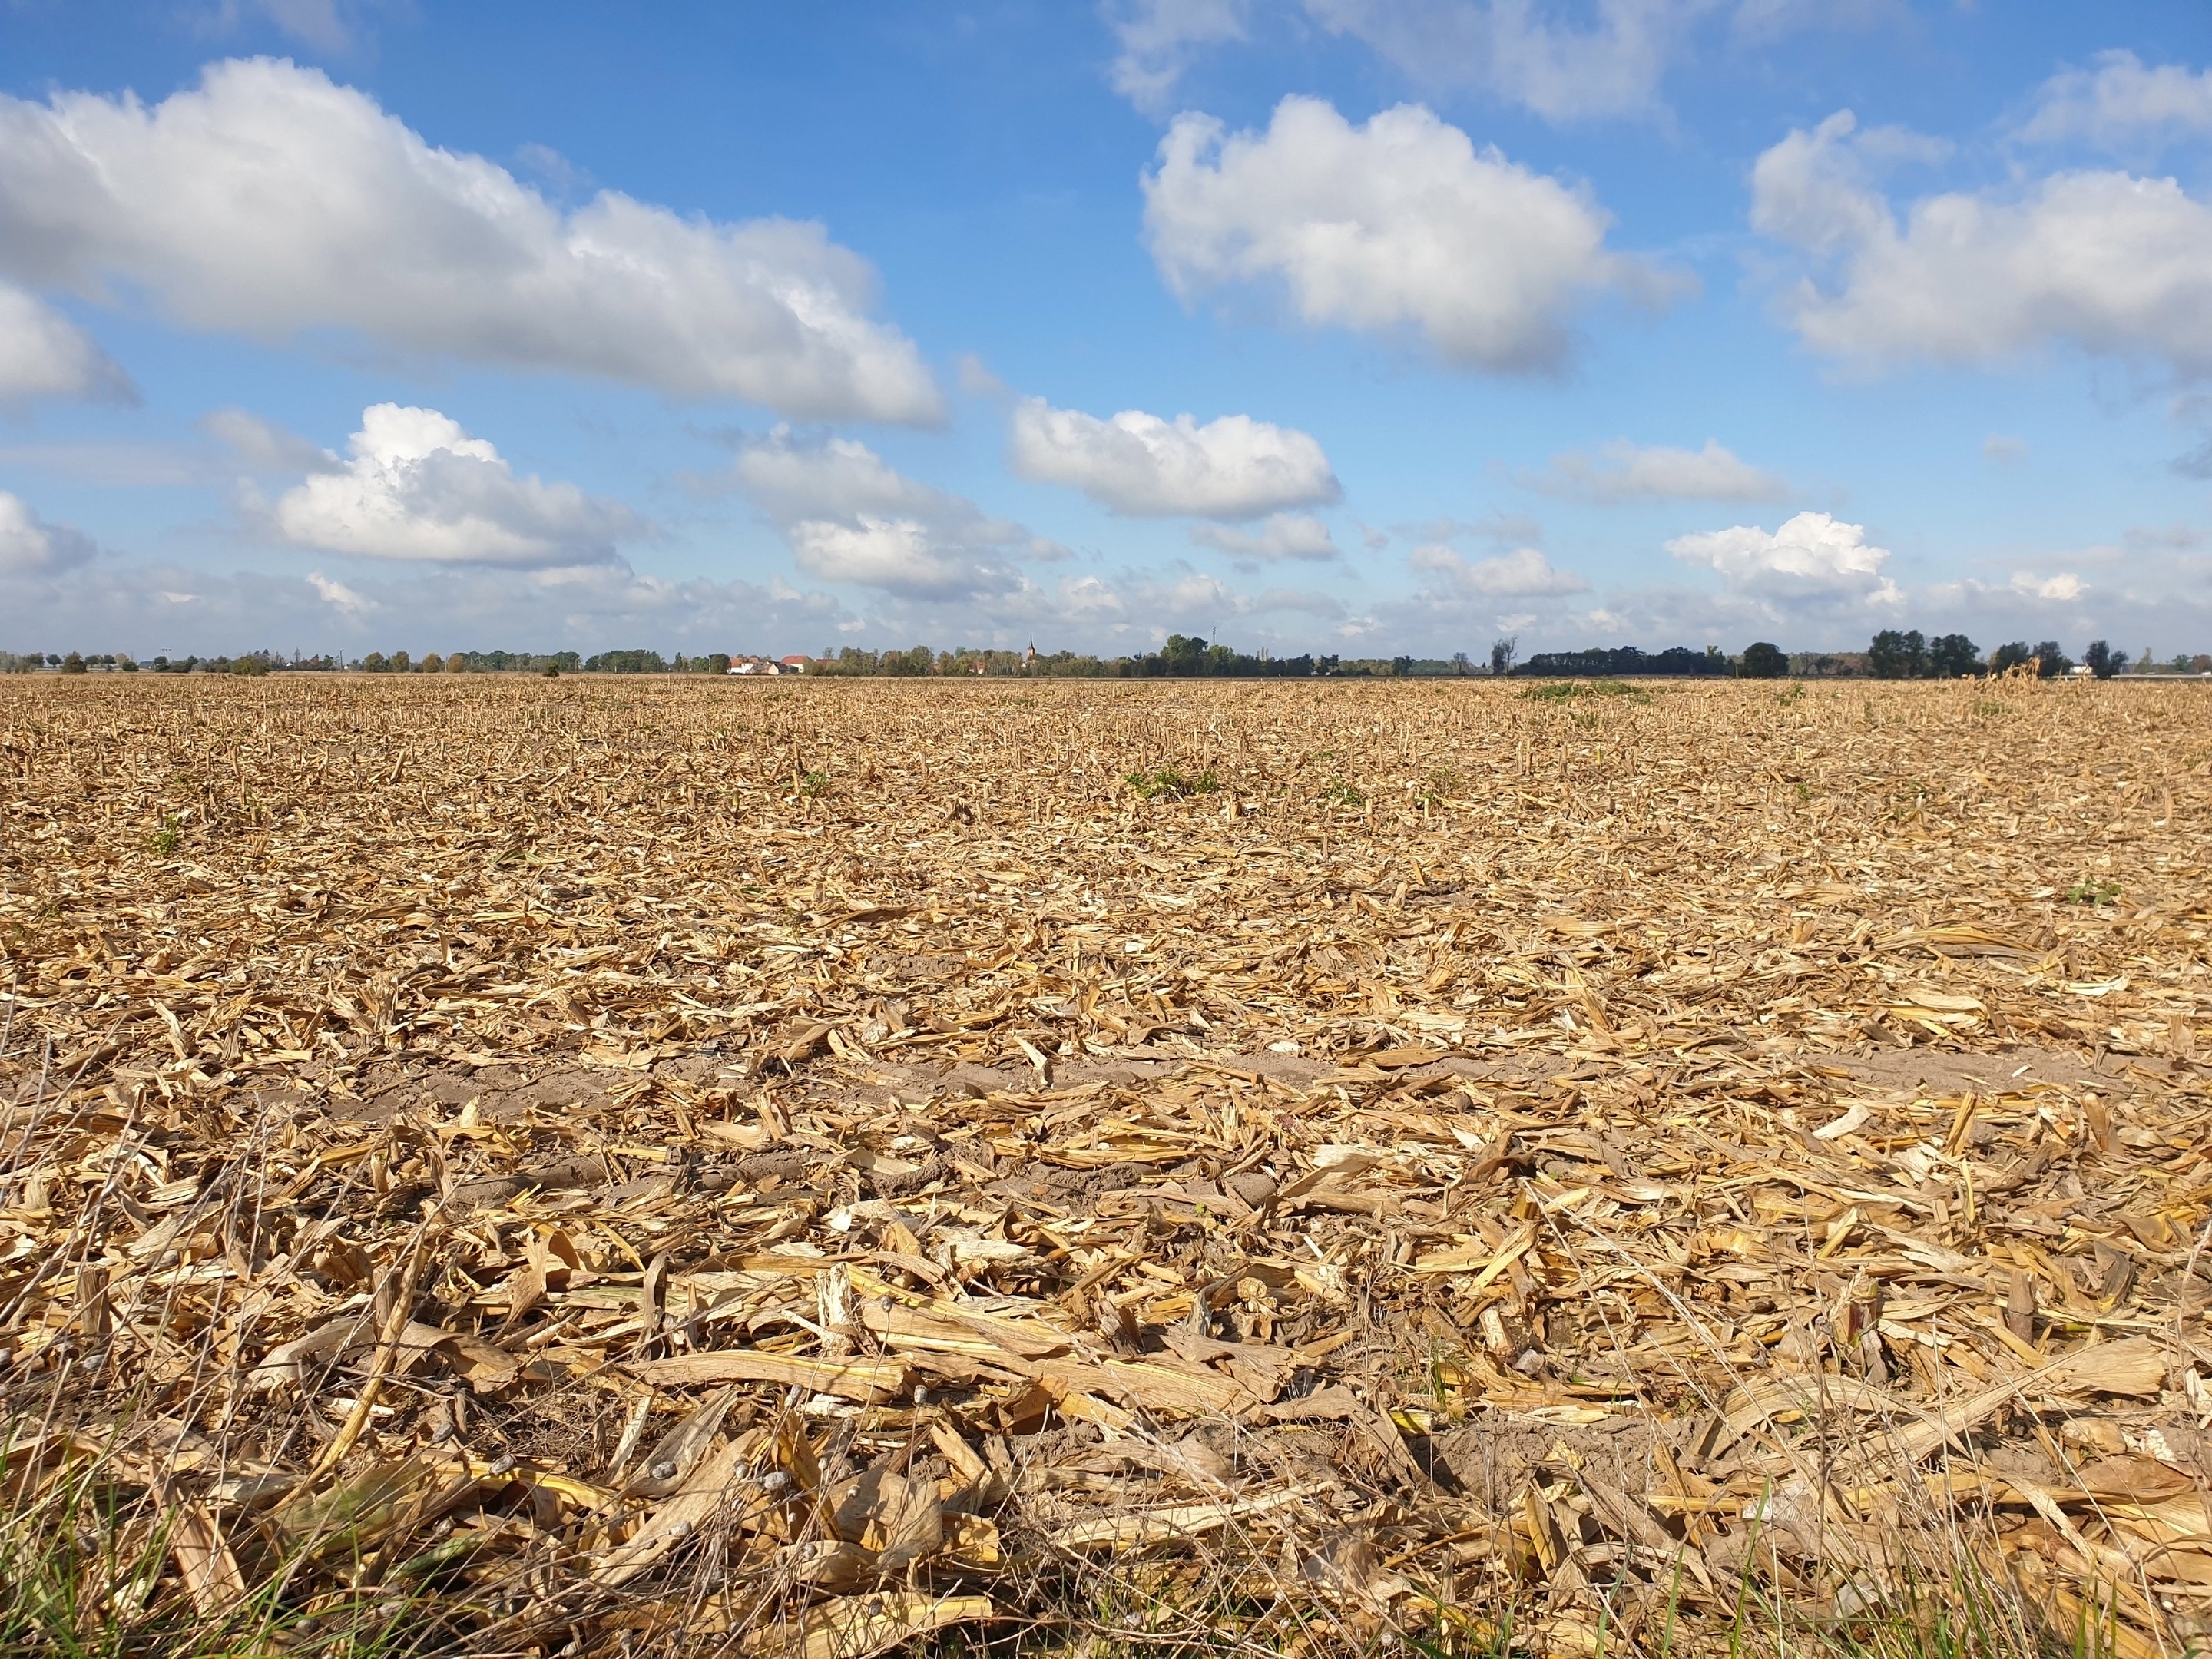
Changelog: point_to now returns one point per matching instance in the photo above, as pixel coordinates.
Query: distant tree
(1953, 656)
(2200, 663)
(432, 664)
(1402, 667)
(1502, 652)
(374, 663)
(53, 660)
(73, 664)
(1764, 661)
(2051, 662)
(254, 664)
(2008, 657)
(402, 663)
(1462, 663)
(1887, 658)
(626, 662)
(2101, 659)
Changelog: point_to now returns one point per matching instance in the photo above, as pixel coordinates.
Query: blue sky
(1351, 326)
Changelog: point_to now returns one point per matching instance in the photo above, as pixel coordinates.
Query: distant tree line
(1894, 654)
(1180, 657)
(118, 662)
(1624, 661)
(1906, 655)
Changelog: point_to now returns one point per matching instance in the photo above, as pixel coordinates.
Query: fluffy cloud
(1137, 464)
(1623, 471)
(1400, 223)
(268, 201)
(1281, 536)
(1155, 38)
(1561, 69)
(1812, 556)
(419, 487)
(44, 355)
(900, 556)
(850, 517)
(2121, 104)
(1523, 574)
(31, 547)
(2109, 262)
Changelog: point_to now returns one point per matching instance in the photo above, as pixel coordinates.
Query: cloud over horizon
(270, 202)
(1812, 556)
(1397, 225)
(2112, 263)
(31, 547)
(1143, 466)
(417, 488)
(1278, 537)
(848, 516)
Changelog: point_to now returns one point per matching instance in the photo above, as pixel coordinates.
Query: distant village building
(768, 664)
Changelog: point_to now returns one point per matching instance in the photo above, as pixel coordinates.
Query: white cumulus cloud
(1157, 37)
(1278, 537)
(1524, 573)
(900, 556)
(2105, 260)
(1812, 555)
(268, 201)
(1234, 467)
(418, 488)
(31, 547)
(1623, 471)
(850, 516)
(1398, 224)
(44, 355)
(2121, 104)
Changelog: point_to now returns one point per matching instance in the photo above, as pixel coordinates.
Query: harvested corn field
(521, 1166)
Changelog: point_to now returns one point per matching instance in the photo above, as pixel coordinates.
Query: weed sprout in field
(1166, 783)
(2092, 890)
(1568, 690)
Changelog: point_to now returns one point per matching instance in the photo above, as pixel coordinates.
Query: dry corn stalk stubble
(544, 1167)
